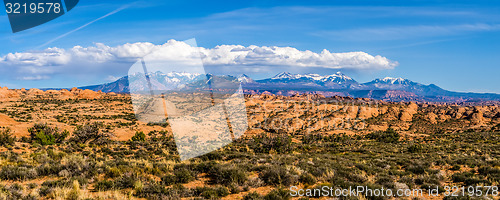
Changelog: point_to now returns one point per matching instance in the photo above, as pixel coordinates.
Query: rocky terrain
(292, 114)
(82, 144)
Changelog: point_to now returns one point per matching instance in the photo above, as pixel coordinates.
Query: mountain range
(390, 89)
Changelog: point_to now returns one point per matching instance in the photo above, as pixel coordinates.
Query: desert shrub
(169, 179)
(417, 169)
(139, 137)
(278, 194)
(461, 177)
(253, 196)
(13, 172)
(53, 183)
(183, 175)
(78, 165)
(127, 180)
(91, 133)
(104, 185)
(307, 178)
(14, 191)
(45, 190)
(74, 193)
(6, 138)
(427, 179)
(113, 172)
(211, 193)
(234, 189)
(409, 181)
(385, 181)
(211, 156)
(489, 171)
(227, 175)
(156, 191)
(387, 136)
(206, 167)
(263, 143)
(49, 169)
(415, 148)
(46, 135)
(277, 175)
(312, 138)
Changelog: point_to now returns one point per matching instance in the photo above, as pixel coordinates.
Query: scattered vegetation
(88, 163)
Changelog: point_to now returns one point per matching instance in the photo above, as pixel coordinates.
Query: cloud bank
(105, 61)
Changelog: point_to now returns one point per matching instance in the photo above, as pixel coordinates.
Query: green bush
(169, 179)
(46, 135)
(6, 138)
(253, 196)
(278, 194)
(307, 178)
(113, 172)
(126, 181)
(227, 175)
(156, 191)
(387, 136)
(211, 193)
(104, 185)
(264, 144)
(12, 172)
(139, 137)
(277, 176)
(183, 175)
(415, 148)
(461, 177)
(91, 133)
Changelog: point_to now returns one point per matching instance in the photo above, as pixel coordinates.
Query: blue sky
(454, 44)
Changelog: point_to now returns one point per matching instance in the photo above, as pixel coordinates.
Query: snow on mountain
(289, 80)
(243, 78)
(182, 74)
(338, 82)
(391, 83)
(391, 80)
(338, 77)
(162, 81)
(284, 75)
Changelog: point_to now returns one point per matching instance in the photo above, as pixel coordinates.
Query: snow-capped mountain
(393, 89)
(338, 77)
(333, 81)
(285, 75)
(390, 83)
(162, 81)
(243, 78)
(401, 84)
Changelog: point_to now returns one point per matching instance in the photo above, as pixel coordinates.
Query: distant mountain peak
(317, 77)
(339, 75)
(283, 75)
(393, 80)
(243, 78)
(336, 83)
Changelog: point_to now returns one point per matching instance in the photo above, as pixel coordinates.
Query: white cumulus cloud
(105, 61)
